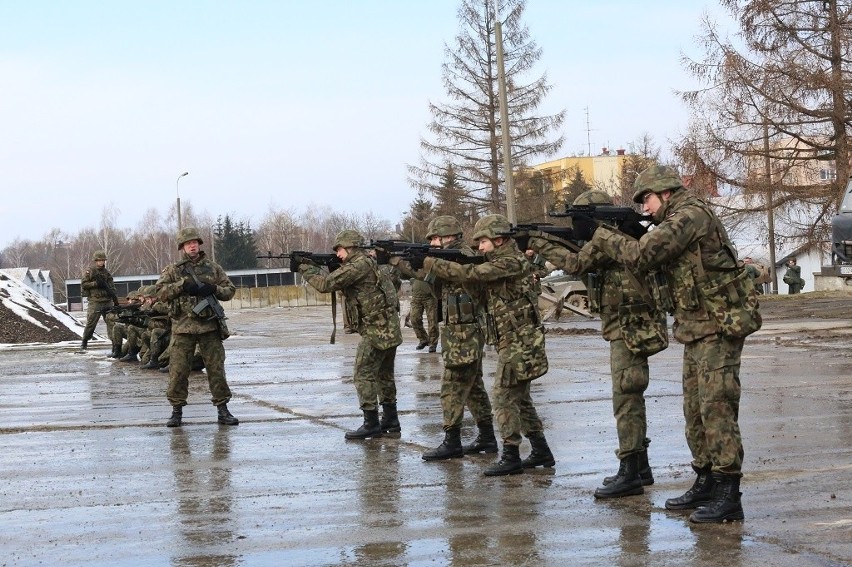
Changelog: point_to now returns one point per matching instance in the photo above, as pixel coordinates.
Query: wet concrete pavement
(91, 476)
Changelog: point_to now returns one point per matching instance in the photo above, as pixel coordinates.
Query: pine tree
(466, 131)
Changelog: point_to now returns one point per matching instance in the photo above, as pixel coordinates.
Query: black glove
(295, 262)
(190, 287)
(523, 241)
(205, 289)
(633, 228)
(416, 261)
(584, 227)
(382, 256)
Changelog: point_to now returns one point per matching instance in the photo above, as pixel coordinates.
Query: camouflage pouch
(523, 358)
(594, 287)
(731, 299)
(643, 329)
(461, 344)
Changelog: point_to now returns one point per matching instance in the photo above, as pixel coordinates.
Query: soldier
(793, 277)
(184, 284)
(159, 329)
(462, 342)
(514, 326)
(715, 307)
(119, 317)
(628, 316)
(98, 286)
(423, 301)
(372, 305)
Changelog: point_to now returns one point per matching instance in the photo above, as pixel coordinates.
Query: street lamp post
(177, 190)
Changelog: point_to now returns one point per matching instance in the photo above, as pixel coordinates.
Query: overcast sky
(283, 103)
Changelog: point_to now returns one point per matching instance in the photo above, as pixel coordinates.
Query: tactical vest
(714, 291)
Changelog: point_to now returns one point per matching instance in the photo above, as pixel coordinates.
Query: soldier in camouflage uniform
(423, 301)
(514, 326)
(97, 285)
(120, 325)
(135, 322)
(715, 306)
(159, 329)
(178, 287)
(621, 301)
(373, 312)
(462, 342)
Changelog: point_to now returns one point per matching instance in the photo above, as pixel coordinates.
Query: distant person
(757, 272)
(184, 284)
(98, 286)
(423, 302)
(793, 277)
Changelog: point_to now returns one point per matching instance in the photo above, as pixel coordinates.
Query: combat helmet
(491, 226)
(347, 239)
(99, 255)
(656, 179)
(593, 197)
(444, 225)
(187, 234)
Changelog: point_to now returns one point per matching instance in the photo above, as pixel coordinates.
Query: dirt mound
(27, 317)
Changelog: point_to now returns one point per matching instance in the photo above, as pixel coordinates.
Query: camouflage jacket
(170, 289)
(370, 299)
(691, 247)
(613, 289)
(90, 285)
(462, 312)
(391, 273)
(514, 323)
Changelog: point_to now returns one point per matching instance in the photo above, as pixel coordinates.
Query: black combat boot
(725, 506)
(132, 351)
(699, 495)
(225, 417)
(509, 463)
(645, 472)
(421, 345)
(540, 455)
(627, 481)
(370, 427)
(177, 416)
(164, 369)
(116, 351)
(485, 442)
(451, 448)
(154, 361)
(84, 345)
(390, 420)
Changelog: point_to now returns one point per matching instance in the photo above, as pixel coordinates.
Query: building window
(828, 174)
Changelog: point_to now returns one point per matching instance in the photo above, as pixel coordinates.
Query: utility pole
(504, 126)
(770, 205)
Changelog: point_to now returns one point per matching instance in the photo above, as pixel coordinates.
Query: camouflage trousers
(419, 306)
(119, 335)
(460, 387)
(180, 364)
(94, 312)
(629, 382)
(136, 337)
(373, 376)
(711, 403)
(514, 412)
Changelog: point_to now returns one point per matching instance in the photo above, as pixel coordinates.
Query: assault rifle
(625, 219)
(330, 261)
(415, 253)
(208, 301)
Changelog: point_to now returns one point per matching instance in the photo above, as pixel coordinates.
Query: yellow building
(601, 171)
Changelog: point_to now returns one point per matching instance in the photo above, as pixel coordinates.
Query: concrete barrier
(277, 296)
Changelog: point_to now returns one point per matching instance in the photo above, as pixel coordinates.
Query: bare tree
(466, 131)
(773, 111)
